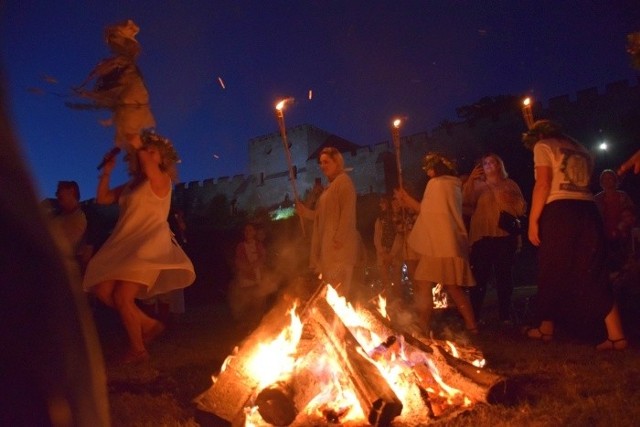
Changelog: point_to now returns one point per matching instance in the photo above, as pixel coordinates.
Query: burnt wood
(378, 401)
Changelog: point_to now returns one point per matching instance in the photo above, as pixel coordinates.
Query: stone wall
(591, 116)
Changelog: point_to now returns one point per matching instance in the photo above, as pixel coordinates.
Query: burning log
(325, 375)
(281, 402)
(479, 384)
(378, 401)
(235, 386)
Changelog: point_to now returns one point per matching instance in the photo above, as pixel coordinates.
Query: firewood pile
(316, 360)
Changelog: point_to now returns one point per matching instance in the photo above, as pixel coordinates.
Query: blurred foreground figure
(52, 369)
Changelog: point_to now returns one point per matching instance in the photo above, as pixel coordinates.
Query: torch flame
(397, 123)
(280, 105)
(527, 113)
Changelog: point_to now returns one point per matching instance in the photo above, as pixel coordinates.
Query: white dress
(439, 235)
(142, 248)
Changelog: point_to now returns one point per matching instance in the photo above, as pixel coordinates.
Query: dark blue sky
(365, 61)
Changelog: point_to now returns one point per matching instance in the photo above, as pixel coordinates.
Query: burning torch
(283, 132)
(527, 113)
(395, 135)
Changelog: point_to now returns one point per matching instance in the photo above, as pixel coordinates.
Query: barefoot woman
(141, 258)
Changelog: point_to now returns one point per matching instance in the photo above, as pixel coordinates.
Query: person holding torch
(334, 240)
(440, 237)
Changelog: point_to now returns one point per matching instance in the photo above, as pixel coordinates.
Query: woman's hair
(168, 153)
(543, 129)
(440, 164)
(503, 170)
(334, 154)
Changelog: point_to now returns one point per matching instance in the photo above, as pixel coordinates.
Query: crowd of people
(579, 248)
(455, 236)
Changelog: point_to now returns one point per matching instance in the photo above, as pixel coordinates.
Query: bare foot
(609, 344)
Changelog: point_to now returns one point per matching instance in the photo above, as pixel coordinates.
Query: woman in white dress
(141, 258)
(440, 237)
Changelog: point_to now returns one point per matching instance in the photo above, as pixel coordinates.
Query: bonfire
(318, 360)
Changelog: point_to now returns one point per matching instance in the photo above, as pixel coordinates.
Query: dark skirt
(573, 287)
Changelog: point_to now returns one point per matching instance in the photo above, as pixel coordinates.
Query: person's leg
(423, 303)
(481, 259)
(132, 317)
(503, 263)
(544, 332)
(615, 335)
(463, 304)
(104, 292)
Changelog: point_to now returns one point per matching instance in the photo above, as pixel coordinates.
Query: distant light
(603, 146)
(221, 82)
(215, 156)
(310, 94)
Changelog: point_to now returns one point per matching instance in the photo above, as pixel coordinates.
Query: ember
(332, 363)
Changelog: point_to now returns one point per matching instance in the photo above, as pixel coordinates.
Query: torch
(527, 113)
(395, 134)
(283, 132)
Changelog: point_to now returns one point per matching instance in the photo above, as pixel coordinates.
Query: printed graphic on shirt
(576, 167)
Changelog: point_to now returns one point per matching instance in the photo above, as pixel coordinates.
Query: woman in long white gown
(141, 258)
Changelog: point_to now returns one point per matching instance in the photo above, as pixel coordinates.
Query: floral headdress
(541, 129)
(439, 163)
(168, 152)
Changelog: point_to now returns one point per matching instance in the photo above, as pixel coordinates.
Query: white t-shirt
(572, 166)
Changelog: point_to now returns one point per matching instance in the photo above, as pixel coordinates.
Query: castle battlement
(267, 182)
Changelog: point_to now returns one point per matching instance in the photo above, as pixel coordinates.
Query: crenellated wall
(373, 167)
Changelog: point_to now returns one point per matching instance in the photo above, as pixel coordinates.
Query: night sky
(364, 61)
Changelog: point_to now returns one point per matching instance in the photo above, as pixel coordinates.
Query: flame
(382, 306)
(454, 350)
(410, 372)
(280, 105)
(526, 101)
(226, 363)
(439, 297)
(278, 354)
(397, 123)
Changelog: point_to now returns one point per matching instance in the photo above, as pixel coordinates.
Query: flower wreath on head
(431, 159)
(169, 153)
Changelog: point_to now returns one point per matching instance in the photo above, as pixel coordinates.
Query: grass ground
(562, 383)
